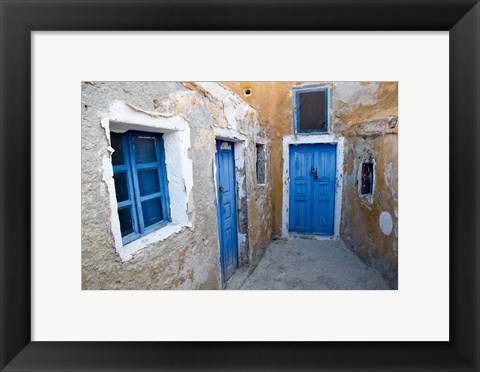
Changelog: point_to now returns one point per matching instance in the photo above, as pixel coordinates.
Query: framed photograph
(278, 230)
(239, 186)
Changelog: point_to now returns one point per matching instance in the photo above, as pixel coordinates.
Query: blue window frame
(140, 180)
(311, 110)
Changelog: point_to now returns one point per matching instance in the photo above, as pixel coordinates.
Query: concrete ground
(299, 263)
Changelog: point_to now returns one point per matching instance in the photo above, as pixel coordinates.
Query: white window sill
(312, 134)
(127, 251)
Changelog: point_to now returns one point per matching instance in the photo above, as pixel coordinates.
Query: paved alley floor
(300, 263)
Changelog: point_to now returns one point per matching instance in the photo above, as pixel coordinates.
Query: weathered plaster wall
(366, 115)
(273, 102)
(189, 258)
(253, 201)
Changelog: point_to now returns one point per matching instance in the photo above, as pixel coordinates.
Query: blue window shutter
(163, 179)
(124, 188)
(145, 171)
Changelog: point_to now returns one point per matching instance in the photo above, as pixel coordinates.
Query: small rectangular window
(140, 178)
(366, 186)
(261, 164)
(311, 110)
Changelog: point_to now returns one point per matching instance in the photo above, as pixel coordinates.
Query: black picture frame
(18, 18)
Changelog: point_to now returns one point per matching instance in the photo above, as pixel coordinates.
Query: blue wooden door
(312, 188)
(226, 208)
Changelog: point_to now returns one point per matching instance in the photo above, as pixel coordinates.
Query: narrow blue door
(226, 208)
(312, 188)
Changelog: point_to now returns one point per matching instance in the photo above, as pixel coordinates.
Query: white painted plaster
(176, 137)
(130, 117)
(242, 238)
(215, 90)
(230, 111)
(385, 222)
(240, 144)
(228, 134)
(225, 146)
(235, 109)
(311, 139)
(112, 196)
(159, 235)
(244, 109)
(179, 174)
(240, 148)
(353, 92)
(241, 192)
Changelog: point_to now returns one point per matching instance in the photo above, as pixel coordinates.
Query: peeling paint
(150, 113)
(355, 93)
(229, 110)
(385, 222)
(114, 220)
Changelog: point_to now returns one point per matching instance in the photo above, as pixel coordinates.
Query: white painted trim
(240, 143)
(311, 139)
(127, 251)
(176, 137)
(228, 134)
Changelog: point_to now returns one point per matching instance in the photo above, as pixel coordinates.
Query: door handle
(221, 190)
(315, 172)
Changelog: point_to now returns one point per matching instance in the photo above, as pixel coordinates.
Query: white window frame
(176, 136)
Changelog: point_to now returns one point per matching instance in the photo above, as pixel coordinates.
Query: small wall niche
(366, 178)
(261, 164)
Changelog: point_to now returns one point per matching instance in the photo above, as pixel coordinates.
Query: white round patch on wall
(386, 223)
